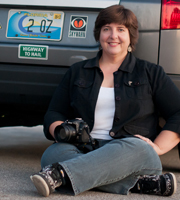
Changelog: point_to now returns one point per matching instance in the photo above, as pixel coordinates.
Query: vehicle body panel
(169, 56)
(27, 85)
(61, 3)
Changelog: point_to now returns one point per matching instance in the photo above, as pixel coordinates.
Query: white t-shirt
(104, 114)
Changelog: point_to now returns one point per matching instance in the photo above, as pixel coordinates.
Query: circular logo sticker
(78, 23)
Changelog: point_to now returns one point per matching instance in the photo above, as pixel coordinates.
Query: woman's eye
(121, 29)
(106, 29)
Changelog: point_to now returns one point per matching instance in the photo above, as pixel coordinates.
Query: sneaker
(164, 185)
(48, 179)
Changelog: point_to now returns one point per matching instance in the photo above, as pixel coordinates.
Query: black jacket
(142, 92)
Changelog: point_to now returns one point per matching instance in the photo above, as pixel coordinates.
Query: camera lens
(64, 133)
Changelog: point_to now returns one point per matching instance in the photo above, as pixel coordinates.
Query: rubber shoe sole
(174, 183)
(40, 185)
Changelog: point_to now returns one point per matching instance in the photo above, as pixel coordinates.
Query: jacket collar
(127, 65)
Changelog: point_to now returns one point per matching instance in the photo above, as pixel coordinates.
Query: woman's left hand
(165, 141)
(155, 147)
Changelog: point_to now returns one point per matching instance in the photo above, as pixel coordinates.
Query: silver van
(39, 40)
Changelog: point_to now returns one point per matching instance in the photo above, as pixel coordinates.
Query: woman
(120, 98)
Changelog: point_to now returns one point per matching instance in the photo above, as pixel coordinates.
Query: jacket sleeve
(166, 98)
(59, 107)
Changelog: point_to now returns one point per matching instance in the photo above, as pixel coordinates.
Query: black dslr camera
(73, 131)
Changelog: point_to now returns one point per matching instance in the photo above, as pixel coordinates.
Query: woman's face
(114, 39)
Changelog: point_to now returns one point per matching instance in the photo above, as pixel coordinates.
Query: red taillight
(170, 14)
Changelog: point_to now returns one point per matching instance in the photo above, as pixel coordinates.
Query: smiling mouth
(113, 43)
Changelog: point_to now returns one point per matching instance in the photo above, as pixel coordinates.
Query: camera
(73, 131)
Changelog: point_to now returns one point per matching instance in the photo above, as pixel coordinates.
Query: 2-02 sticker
(78, 26)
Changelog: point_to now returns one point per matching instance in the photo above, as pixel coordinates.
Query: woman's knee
(140, 150)
(147, 153)
(58, 152)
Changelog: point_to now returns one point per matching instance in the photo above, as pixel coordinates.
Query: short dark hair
(120, 15)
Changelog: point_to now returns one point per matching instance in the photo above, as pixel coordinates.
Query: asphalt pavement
(20, 153)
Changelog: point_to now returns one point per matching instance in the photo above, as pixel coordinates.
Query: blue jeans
(114, 167)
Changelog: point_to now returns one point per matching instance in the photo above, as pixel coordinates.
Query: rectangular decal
(78, 26)
(33, 52)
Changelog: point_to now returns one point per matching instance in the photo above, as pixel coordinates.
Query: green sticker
(33, 52)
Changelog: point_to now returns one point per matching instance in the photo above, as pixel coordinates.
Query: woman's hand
(53, 126)
(155, 147)
(164, 142)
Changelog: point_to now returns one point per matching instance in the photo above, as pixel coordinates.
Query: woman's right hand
(53, 126)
